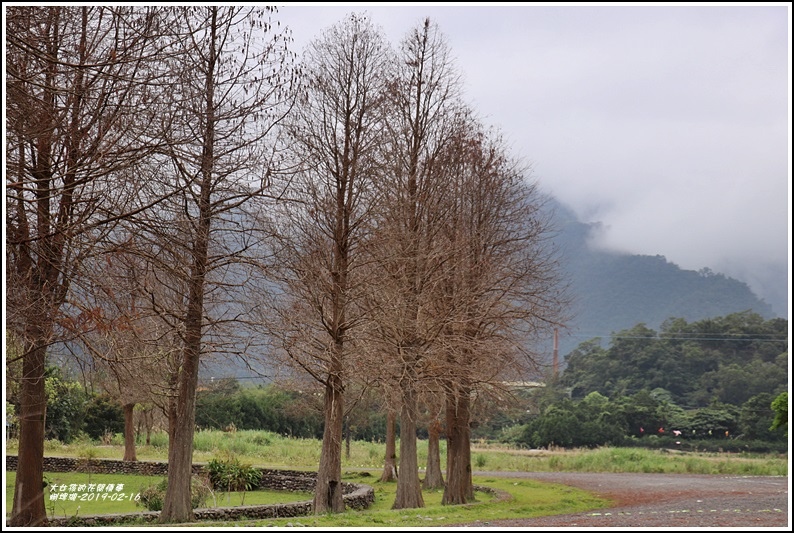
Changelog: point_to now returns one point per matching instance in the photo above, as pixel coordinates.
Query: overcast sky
(668, 124)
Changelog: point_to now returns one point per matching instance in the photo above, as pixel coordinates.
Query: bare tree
(390, 459)
(434, 478)
(423, 100)
(324, 223)
(502, 287)
(130, 350)
(230, 87)
(76, 78)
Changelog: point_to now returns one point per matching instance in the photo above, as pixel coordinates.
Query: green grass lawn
(83, 497)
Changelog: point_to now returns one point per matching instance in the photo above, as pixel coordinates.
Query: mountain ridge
(614, 291)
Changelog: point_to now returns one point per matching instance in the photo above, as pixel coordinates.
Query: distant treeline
(687, 385)
(727, 359)
(705, 384)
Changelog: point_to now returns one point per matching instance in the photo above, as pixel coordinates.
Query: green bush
(66, 406)
(230, 475)
(153, 496)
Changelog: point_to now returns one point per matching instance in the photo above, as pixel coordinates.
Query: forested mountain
(613, 291)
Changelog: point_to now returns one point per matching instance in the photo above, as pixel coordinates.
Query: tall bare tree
(324, 224)
(76, 83)
(423, 100)
(390, 459)
(231, 81)
(434, 478)
(502, 288)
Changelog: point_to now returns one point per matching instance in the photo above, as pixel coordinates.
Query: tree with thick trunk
(459, 488)
(129, 432)
(328, 490)
(230, 90)
(423, 98)
(409, 489)
(74, 78)
(502, 286)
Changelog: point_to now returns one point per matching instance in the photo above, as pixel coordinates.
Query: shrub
(230, 475)
(103, 414)
(153, 496)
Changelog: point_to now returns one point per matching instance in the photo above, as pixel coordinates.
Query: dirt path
(667, 500)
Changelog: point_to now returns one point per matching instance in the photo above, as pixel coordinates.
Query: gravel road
(666, 500)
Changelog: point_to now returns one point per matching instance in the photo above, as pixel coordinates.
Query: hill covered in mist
(613, 291)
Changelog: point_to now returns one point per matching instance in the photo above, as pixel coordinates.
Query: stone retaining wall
(356, 496)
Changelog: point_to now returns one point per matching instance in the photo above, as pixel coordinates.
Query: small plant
(48, 483)
(153, 496)
(87, 456)
(106, 438)
(480, 460)
(375, 453)
(261, 440)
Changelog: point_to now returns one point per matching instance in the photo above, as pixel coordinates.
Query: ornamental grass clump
(231, 475)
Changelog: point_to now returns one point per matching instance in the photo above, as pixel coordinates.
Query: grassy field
(514, 499)
(524, 498)
(262, 448)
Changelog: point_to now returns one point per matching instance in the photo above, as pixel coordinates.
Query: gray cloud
(668, 124)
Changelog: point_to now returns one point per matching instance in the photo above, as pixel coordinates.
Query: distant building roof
(524, 384)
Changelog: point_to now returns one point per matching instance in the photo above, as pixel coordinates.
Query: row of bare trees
(177, 188)
(411, 252)
(132, 134)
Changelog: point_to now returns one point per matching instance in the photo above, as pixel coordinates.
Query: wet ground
(666, 500)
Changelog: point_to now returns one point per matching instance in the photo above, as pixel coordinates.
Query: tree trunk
(177, 506)
(347, 439)
(148, 422)
(129, 432)
(433, 477)
(328, 491)
(460, 488)
(390, 462)
(28, 508)
(409, 490)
